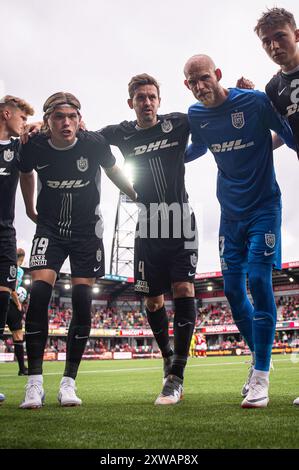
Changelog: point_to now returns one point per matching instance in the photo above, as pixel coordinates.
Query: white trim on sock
(35, 379)
(263, 374)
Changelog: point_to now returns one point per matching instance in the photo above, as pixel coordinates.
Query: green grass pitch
(118, 410)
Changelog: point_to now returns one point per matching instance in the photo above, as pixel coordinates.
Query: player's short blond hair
(275, 17)
(140, 80)
(15, 102)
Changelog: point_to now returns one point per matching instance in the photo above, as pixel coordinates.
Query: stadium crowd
(115, 318)
(218, 313)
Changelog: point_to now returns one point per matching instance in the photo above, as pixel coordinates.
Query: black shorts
(86, 255)
(14, 317)
(8, 262)
(159, 262)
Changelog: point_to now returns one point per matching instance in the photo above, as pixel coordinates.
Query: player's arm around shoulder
(114, 173)
(197, 148)
(117, 177)
(110, 134)
(274, 121)
(27, 179)
(15, 300)
(27, 183)
(271, 92)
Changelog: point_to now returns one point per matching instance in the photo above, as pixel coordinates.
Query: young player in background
(14, 112)
(279, 34)
(15, 314)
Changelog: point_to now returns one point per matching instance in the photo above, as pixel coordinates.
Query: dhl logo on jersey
(159, 144)
(229, 146)
(292, 109)
(67, 184)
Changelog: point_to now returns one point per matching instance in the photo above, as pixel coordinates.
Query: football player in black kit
(13, 117)
(69, 223)
(279, 35)
(154, 145)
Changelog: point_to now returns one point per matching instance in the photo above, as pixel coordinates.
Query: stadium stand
(119, 324)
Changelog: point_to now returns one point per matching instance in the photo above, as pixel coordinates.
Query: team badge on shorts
(8, 155)
(13, 271)
(82, 164)
(99, 255)
(238, 120)
(193, 260)
(270, 240)
(166, 126)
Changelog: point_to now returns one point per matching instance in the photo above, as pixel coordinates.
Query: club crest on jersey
(238, 120)
(12, 271)
(82, 164)
(270, 240)
(99, 255)
(193, 260)
(166, 126)
(8, 155)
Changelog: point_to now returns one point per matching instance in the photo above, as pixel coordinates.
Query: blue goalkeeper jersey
(238, 134)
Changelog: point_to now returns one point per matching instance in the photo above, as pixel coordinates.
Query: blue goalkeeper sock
(264, 319)
(241, 307)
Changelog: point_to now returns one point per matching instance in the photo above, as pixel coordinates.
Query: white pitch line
(137, 369)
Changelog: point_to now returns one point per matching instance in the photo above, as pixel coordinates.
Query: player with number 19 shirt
(69, 224)
(68, 202)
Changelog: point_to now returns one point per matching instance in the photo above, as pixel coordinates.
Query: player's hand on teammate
(16, 301)
(32, 215)
(245, 83)
(30, 130)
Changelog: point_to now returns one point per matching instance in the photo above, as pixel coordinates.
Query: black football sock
(184, 322)
(79, 329)
(4, 303)
(19, 353)
(158, 322)
(36, 326)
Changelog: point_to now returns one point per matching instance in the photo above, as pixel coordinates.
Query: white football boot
(257, 396)
(34, 395)
(67, 393)
(172, 391)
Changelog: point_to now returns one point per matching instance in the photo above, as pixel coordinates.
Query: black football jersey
(9, 177)
(283, 92)
(156, 155)
(68, 183)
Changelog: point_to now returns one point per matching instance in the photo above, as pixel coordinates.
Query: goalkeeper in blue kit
(235, 125)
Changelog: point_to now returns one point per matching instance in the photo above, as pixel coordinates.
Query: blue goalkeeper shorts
(256, 239)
